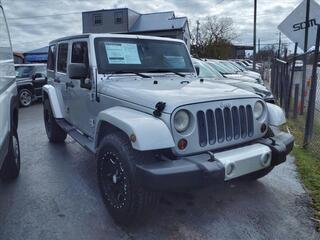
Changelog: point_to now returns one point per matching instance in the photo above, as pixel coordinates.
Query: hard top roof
(113, 35)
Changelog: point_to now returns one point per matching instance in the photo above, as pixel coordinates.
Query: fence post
(296, 100)
(312, 94)
(293, 66)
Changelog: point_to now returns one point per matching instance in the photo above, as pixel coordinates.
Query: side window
(97, 19)
(62, 57)
(5, 46)
(6, 56)
(51, 57)
(80, 53)
(118, 16)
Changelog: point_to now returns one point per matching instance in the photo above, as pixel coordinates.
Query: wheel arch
(144, 131)
(49, 92)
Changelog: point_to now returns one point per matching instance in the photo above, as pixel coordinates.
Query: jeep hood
(241, 77)
(174, 92)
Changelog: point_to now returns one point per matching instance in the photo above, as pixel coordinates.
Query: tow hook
(159, 109)
(212, 157)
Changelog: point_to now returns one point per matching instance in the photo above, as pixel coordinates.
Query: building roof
(158, 22)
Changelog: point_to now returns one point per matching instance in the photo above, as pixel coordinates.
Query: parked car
(30, 80)
(205, 71)
(244, 71)
(136, 103)
(9, 141)
(228, 72)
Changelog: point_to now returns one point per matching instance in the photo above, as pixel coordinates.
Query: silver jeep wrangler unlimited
(137, 104)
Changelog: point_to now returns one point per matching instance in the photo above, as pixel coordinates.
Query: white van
(9, 142)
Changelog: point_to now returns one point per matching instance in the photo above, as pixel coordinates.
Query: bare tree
(212, 37)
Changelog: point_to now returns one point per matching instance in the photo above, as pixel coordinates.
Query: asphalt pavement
(56, 197)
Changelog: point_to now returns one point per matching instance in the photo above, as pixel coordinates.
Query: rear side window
(6, 56)
(80, 53)
(52, 57)
(62, 57)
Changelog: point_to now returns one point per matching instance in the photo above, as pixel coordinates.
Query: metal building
(125, 20)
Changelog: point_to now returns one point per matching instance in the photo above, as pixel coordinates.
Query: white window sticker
(122, 53)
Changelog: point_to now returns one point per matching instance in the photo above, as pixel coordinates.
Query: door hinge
(92, 122)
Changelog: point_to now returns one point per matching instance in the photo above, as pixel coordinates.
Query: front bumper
(203, 169)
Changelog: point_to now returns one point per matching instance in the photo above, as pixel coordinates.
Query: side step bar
(81, 138)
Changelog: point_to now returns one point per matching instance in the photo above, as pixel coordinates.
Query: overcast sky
(33, 23)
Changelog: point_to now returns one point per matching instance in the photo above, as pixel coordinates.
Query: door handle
(69, 85)
(57, 80)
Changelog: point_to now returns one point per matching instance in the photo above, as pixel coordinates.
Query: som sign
(295, 24)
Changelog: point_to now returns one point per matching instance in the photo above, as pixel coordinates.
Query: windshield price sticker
(122, 53)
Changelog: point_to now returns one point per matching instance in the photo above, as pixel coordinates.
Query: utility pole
(254, 34)
(198, 29)
(279, 47)
(305, 49)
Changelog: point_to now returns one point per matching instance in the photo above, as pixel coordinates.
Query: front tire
(54, 132)
(126, 200)
(11, 167)
(25, 97)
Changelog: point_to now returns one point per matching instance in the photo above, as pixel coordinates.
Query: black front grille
(227, 124)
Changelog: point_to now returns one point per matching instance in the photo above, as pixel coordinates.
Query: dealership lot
(56, 197)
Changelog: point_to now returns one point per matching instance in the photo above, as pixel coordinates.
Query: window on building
(97, 19)
(52, 57)
(80, 53)
(62, 57)
(118, 17)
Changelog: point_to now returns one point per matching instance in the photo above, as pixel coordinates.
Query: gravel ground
(56, 197)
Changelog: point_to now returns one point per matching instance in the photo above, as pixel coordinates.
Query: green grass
(308, 164)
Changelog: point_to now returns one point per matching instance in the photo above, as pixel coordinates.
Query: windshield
(28, 71)
(221, 69)
(206, 71)
(229, 66)
(238, 66)
(120, 55)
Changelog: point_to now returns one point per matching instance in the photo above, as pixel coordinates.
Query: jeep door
(7, 85)
(61, 79)
(81, 103)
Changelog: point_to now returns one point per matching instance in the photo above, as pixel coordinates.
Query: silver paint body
(127, 102)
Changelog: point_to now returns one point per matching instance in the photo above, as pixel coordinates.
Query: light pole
(254, 34)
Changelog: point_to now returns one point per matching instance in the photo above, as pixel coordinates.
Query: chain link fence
(295, 82)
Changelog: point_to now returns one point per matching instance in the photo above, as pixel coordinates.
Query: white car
(231, 73)
(205, 71)
(136, 103)
(9, 142)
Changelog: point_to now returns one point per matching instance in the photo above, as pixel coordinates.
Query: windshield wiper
(131, 72)
(166, 71)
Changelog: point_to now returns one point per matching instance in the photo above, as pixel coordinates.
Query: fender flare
(276, 115)
(150, 133)
(53, 99)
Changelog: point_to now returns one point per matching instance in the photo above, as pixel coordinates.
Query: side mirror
(77, 71)
(197, 69)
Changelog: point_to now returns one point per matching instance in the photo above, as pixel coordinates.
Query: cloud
(29, 33)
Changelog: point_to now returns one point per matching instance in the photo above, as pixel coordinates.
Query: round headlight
(258, 110)
(181, 120)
